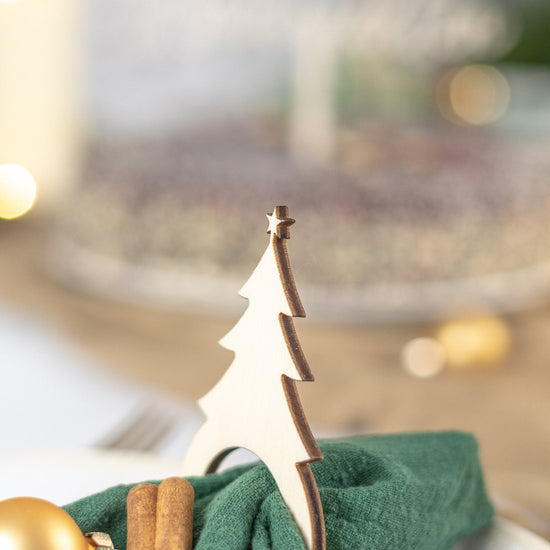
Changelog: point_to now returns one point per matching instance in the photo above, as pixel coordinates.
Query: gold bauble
(28, 523)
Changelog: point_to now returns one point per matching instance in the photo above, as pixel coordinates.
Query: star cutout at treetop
(279, 222)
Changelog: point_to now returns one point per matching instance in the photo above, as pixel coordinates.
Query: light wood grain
(256, 404)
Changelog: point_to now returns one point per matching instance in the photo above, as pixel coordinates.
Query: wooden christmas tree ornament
(256, 405)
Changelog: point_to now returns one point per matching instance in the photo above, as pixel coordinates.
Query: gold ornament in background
(468, 343)
(28, 523)
(473, 95)
(476, 342)
(423, 357)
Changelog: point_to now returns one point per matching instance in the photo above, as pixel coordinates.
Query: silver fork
(143, 432)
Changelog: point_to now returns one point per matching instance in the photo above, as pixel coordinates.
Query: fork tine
(116, 438)
(154, 428)
(144, 432)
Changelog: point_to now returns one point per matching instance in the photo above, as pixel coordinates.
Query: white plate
(62, 477)
(505, 535)
(43, 376)
(52, 395)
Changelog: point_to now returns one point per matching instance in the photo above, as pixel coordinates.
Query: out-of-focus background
(142, 143)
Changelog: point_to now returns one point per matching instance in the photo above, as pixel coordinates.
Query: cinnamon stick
(174, 515)
(142, 516)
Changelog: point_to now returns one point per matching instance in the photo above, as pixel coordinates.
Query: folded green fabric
(421, 491)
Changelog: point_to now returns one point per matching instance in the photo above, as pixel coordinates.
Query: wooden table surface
(360, 384)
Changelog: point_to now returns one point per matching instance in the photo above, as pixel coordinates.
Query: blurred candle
(313, 117)
(41, 64)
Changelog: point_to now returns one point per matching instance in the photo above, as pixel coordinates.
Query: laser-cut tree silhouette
(255, 404)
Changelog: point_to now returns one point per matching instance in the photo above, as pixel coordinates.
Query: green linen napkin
(422, 491)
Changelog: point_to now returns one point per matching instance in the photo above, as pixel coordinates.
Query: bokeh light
(423, 357)
(475, 342)
(17, 191)
(475, 95)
